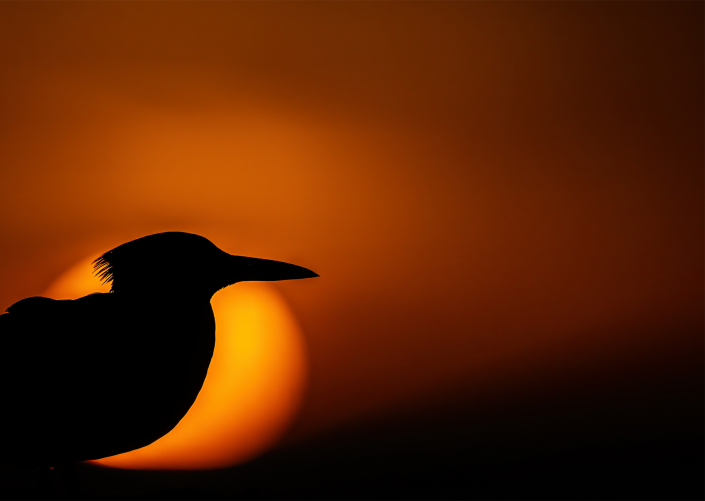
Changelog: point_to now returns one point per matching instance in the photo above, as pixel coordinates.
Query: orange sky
(494, 194)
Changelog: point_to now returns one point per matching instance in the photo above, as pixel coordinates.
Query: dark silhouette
(108, 373)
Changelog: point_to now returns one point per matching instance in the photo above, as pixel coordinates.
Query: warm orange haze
(504, 201)
(254, 384)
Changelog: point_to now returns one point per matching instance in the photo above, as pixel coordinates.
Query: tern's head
(185, 264)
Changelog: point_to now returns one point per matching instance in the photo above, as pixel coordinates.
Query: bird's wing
(31, 348)
(50, 343)
(74, 371)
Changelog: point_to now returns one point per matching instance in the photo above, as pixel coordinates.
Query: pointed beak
(254, 269)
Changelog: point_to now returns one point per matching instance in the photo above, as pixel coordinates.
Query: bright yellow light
(253, 388)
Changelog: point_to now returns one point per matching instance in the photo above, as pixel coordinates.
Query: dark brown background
(504, 201)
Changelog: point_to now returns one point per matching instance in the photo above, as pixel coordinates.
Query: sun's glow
(253, 388)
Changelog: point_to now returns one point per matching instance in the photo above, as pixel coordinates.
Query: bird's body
(99, 375)
(108, 373)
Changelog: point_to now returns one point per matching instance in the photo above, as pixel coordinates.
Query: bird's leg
(44, 480)
(66, 480)
(71, 479)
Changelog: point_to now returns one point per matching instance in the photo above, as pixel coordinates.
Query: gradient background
(504, 202)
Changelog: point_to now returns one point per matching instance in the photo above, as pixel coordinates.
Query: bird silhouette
(112, 372)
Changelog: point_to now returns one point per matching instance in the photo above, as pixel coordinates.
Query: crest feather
(103, 268)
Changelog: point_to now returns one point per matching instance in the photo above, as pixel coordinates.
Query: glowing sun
(254, 385)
